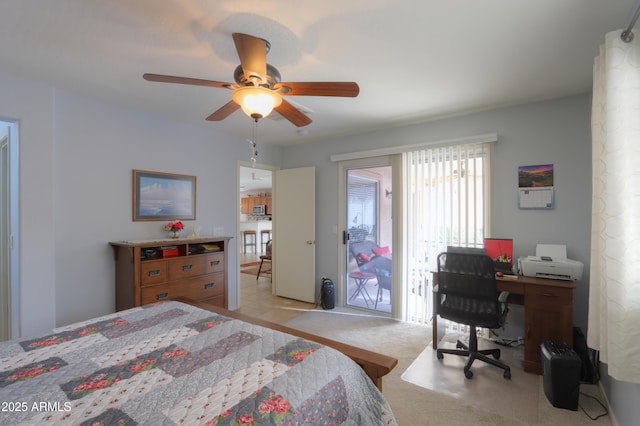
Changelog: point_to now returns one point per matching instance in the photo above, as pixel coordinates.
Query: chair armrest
(504, 295)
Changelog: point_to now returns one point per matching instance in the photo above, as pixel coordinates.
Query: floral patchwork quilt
(172, 363)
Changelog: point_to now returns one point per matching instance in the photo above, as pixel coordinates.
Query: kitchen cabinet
(247, 203)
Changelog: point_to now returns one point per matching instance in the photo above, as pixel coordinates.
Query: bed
(177, 363)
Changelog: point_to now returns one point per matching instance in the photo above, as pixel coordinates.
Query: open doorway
(255, 225)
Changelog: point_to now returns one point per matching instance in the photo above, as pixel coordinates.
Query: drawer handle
(161, 296)
(154, 273)
(215, 262)
(208, 286)
(549, 295)
(187, 267)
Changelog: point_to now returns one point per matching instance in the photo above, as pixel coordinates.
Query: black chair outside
(467, 294)
(362, 252)
(382, 266)
(265, 258)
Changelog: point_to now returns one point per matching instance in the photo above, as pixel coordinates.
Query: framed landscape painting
(163, 196)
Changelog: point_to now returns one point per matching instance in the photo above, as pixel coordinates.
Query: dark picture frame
(163, 196)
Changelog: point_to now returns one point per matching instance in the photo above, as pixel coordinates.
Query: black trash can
(561, 374)
(327, 295)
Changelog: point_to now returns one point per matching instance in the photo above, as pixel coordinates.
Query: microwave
(259, 209)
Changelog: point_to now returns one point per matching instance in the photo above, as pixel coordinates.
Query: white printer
(551, 261)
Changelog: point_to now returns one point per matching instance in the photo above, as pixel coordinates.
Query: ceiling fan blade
(224, 111)
(293, 114)
(337, 88)
(252, 52)
(186, 80)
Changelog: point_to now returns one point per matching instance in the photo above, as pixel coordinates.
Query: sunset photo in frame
(163, 196)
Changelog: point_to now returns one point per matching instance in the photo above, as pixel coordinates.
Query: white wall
(77, 155)
(32, 104)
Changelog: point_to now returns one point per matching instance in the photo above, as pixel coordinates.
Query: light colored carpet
(415, 404)
(488, 388)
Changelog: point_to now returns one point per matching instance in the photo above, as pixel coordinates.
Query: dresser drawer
(546, 295)
(185, 267)
(153, 272)
(198, 288)
(214, 262)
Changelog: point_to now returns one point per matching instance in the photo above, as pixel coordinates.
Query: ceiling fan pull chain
(254, 149)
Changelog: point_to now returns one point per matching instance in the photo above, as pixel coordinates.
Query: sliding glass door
(369, 237)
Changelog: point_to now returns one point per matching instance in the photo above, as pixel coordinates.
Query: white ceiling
(255, 179)
(414, 60)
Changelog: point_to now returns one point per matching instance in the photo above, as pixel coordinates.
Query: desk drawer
(557, 296)
(512, 286)
(153, 272)
(185, 267)
(214, 262)
(198, 288)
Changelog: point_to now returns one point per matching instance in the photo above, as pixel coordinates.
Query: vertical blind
(446, 204)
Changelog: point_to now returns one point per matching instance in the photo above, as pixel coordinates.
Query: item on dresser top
(168, 251)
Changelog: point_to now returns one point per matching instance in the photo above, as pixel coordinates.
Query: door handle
(310, 242)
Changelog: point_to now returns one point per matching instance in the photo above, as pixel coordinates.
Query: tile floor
(256, 298)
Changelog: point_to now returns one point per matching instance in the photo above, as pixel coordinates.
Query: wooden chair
(265, 258)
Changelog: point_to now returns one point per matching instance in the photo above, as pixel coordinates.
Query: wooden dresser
(154, 270)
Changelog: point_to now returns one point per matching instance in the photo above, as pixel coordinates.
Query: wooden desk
(548, 313)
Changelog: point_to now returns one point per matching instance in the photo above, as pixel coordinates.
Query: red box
(168, 252)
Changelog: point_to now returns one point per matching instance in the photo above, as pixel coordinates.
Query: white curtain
(614, 297)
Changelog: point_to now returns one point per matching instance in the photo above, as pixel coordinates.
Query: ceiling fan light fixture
(256, 102)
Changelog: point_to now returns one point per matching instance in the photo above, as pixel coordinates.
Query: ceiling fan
(258, 88)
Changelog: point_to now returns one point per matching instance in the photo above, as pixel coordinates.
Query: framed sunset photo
(163, 196)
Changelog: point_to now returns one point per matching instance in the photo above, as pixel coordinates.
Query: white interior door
(294, 230)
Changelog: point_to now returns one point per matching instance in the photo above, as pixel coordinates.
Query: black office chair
(467, 294)
(382, 266)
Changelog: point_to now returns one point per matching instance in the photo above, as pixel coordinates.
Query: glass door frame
(395, 161)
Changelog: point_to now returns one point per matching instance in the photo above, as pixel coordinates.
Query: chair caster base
(468, 373)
